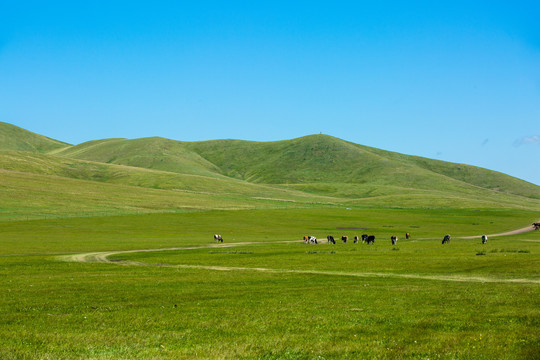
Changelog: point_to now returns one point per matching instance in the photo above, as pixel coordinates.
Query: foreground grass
(55, 309)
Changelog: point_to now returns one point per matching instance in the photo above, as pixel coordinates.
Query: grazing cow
(446, 239)
(306, 239)
(218, 238)
(484, 239)
(331, 239)
(394, 239)
(356, 239)
(313, 240)
(370, 239)
(344, 238)
(536, 225)
(364, 238)
(407, 236)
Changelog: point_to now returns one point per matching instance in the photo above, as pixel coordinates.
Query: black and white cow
(344, 238)
(364, 238)
(218, 238)
(356, 239)
(484, 239)
(394, 239)
(331, 239)
(313, 240)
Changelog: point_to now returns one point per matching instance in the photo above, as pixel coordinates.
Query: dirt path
(103, 257)
(513, 232)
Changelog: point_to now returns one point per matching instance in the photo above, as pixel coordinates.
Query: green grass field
(272, 297)
(107, 252)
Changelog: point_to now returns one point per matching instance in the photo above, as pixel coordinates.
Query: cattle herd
(370, 239)
(366, 239)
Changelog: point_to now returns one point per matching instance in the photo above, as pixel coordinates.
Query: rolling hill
(15, 138)
(315, 170)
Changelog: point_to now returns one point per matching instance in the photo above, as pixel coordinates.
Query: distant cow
(407, 236)
(344, 238)
(306, 239)
(536, 225)
(394, 239)
(370, 239)
(364, 238)
(446, 239)
(484, 239)
(331, 239)
(356, 239)
(218, 238)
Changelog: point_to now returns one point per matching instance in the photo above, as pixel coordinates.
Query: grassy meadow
(272, 297)
(107, 252)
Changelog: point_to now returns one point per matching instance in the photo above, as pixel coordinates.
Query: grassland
(106, 252)
(332, 302)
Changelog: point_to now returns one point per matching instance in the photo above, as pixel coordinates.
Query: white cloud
(535, 140)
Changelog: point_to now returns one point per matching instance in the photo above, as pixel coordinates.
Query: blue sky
(450, 80)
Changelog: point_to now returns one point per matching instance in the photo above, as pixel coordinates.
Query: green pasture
(272, 297)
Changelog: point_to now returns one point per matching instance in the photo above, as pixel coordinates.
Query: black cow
(331, 239)
(446, 239)
(370, 239)
(364, 238)
(344, 238)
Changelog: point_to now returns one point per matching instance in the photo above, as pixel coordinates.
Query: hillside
(150, 153)
(318, 162)
(15, 138)
(307, 171)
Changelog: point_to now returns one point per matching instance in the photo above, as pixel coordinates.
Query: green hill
(150, 153)
(15, 138)
(309, 171)
(324, 164)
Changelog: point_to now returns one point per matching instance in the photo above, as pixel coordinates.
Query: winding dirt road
(103, 257)
(513, 232)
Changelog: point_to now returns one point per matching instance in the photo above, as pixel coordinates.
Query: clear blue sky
(451, 80)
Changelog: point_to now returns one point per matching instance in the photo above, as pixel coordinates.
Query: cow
(370, 239)
(306, 239)
(407, 236)
(331, 239)
(313, 240)
(446, 239)
(344, 238)
(218, 238)
(356, 239)
(364, 238)
(394, 239)
(484, 239)
(536, 225)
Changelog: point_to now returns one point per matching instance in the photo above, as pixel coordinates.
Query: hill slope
(316, 168)
(15, 138)
(319, 162)
(150, 153)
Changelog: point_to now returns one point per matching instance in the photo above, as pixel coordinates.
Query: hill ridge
(317, 164)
